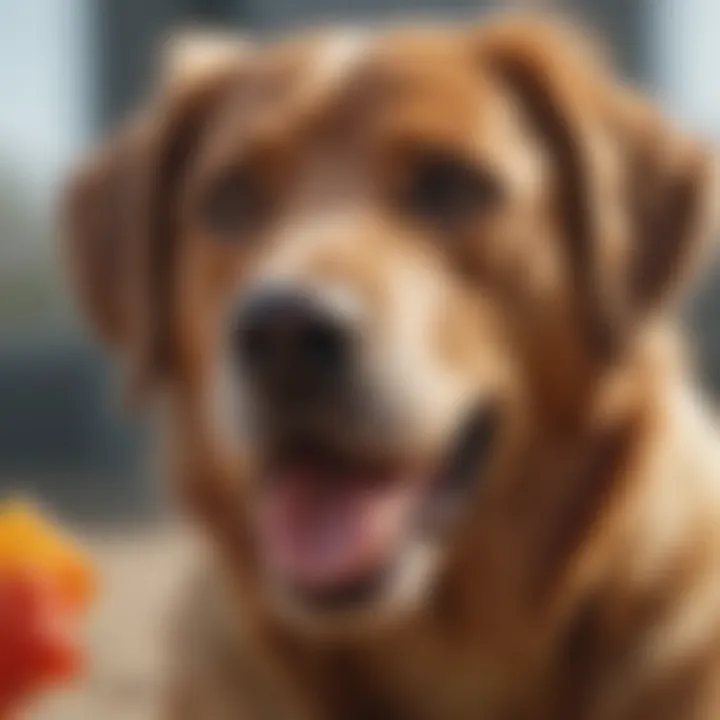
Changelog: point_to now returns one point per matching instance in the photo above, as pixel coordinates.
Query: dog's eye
(447, 190)
(236, 204)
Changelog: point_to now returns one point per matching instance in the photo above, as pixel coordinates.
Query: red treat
(37, 637)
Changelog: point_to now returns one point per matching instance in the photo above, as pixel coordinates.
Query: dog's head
(364, 268)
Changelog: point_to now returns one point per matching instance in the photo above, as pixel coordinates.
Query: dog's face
(368, 268)
(333, 235)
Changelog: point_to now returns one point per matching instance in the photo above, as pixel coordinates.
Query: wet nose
(287, 340)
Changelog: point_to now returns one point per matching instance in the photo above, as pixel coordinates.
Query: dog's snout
(288, 339)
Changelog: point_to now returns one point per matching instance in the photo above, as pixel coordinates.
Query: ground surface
(141, 571)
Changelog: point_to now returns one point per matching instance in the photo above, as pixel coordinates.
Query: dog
(407, 300)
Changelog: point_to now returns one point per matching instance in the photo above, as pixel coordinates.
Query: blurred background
(68, 70)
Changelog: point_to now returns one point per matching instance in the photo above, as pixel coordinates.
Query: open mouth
(330, 526)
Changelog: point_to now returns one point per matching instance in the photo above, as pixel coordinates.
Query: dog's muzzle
(333, 514)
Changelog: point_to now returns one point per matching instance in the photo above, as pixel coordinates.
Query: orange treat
(45, 584)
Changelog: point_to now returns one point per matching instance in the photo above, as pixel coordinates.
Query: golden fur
(583, 583)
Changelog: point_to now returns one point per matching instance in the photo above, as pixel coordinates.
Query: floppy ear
(671, 183)
(634, 197)
(100, 207)
(119, 208)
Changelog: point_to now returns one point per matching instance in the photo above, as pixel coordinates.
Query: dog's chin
(349, 541)
(380, 600)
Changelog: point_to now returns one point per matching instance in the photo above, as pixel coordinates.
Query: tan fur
(584, 581)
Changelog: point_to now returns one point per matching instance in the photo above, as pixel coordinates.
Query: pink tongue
(322, 531)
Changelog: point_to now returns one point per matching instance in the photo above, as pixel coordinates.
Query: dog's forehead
(410, 57)
(334, 59)
(354, 80)
(330, 58)
(326, 67)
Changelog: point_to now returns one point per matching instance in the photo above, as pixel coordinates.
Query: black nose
(290, 342)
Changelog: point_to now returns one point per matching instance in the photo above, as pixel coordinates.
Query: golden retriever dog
(407, 299)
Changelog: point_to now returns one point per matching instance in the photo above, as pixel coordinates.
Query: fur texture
(582, 579)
